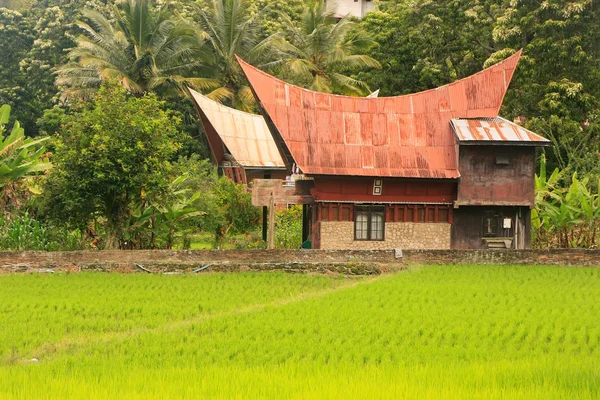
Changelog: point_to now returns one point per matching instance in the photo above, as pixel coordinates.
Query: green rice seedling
(430, 332)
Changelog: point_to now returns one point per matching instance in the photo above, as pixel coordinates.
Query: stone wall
(203, 261)
(398, 235)
(299, 261)
(559, 257)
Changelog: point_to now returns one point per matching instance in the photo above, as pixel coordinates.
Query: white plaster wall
(354, 8)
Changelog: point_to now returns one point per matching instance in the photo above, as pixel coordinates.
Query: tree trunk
(111, 239)
(113, 232)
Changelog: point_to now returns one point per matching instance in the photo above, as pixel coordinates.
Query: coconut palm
(146, 49)
(318, 52)
(232, 28)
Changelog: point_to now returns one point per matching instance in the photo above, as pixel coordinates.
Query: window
(369, 223)
(377, 187)
(490, 225)
(502, 160)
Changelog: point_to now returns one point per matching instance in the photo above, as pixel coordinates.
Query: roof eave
(503, 143)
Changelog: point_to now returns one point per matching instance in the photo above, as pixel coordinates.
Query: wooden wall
(486, 182)
(359, 189)
(467, 229)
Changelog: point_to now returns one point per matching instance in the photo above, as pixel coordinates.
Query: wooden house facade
(432, 170)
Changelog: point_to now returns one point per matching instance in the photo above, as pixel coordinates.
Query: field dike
(174, 262)
(347, 262)
(48, 350)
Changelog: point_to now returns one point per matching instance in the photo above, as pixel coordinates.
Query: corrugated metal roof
(403, 136)
(494, 130)
(246, 135)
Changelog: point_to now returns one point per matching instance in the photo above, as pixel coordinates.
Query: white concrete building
(356, 8)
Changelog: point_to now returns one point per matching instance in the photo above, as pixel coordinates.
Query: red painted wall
(358, 189)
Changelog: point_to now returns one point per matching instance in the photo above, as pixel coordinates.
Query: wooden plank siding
(418, 213)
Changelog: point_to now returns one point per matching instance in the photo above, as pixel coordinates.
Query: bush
(288, 228)
(25, 233)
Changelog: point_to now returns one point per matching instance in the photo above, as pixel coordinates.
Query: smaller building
(496, 159)
(356, 8)
(241, 143)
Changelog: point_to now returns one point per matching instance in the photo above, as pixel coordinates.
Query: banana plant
(159, 220)
(565, 216)
(547, 194)
(20, 157)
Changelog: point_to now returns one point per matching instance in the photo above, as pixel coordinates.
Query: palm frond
(220, 95)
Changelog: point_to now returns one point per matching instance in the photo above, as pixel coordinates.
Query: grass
(429, 332)
(206, 241)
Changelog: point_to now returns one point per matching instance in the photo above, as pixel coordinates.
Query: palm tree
(318, 52)
(145, 49)
(231, 29)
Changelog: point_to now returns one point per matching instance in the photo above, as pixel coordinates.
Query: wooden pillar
(265, 213)
(305, 222)
(271, 222)
(266, 175)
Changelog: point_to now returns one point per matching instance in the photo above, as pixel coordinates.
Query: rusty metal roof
(403, 136)
(246, 135)
(484, 130)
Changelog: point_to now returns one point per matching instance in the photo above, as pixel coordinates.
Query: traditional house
(432, 170)
(240, 142)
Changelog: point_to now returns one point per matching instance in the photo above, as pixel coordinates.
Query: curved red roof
(404, 136)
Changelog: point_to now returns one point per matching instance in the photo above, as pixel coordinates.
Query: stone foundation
(398, 235)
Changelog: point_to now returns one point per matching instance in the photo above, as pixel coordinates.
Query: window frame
(370, 211)
(491, 219)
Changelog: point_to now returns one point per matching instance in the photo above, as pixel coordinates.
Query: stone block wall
(339, 235)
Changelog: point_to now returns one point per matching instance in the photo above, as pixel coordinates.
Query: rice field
(447, 332)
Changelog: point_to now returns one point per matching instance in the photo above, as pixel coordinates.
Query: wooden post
(305, 222)
(264, 223)
(271, 231)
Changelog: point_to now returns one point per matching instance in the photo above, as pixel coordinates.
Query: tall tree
(558, 82)
(33, 46)
(17, 38)
(320, 52)
(424, 44)
(146, 48)
(233, 29)
(112, 154)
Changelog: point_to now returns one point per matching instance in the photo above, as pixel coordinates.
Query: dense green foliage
(112, 154)
(567, 211)
(145, 49)
(430, 332)
(317, 52)
(234, 30)
(18, 231)
(21, 160)
(288, 228)
(234, 212)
